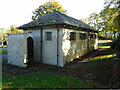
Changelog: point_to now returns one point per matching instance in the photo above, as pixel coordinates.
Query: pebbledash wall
(59, 51)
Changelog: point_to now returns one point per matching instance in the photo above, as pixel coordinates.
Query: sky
(19, 12)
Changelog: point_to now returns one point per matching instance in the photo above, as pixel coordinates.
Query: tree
(2, 30)
(13, 29)
(46, 8)
(93, 20)
(114, 4)
(108, 16)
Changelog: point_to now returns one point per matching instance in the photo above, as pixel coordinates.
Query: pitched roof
(55, 18)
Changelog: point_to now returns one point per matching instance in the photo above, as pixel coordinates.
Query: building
(54, 39)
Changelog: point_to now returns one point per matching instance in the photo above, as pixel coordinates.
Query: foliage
(111, 16)
(46, 8)
(108, 20)
(5, 61)
(42, 80)
(93, 20)
(13, 29)
(108, 16)
(4, 46)
(116, 44)
(3, 52)
(102, 37)
(112, 4)
(2, 30)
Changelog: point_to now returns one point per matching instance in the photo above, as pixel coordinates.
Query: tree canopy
(3, 32)
(46, 8)
(13, 29)
(93, 20)
(114, 7)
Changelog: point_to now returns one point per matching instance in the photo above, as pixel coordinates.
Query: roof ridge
(59, 13)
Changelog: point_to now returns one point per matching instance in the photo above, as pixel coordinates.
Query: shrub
(116, 44)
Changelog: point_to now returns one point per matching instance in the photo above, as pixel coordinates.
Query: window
(91, 35)
(82, 36)
(72, 36)
(48, 36)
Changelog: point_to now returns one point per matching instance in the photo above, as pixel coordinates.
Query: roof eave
(63, 25)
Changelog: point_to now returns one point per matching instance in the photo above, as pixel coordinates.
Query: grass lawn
(5, 61)
(99, 66)
(105, 45)
(102, 65)
(3, 52)
(43, 80)
(104, 59)
(101, 61)
(5, 46)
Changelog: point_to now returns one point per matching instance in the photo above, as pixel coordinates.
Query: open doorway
(30, 49)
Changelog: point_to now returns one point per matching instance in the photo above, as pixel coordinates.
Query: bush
(116, 44)
(103, 38)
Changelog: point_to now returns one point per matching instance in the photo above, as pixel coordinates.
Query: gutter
(60, 25)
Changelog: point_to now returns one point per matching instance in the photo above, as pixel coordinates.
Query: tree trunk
(106, 34)
(114, 34)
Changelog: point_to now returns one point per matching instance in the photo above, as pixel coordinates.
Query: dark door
(30, 50)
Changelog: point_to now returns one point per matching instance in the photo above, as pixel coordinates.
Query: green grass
(100, 63)
(3, 52)
(5, 46)
(5, 61)
(104, 59)
(105, 45)
(43, 80)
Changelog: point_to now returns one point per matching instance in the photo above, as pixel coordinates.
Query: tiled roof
(55, 18)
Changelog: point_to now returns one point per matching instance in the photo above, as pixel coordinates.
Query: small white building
(54, 39)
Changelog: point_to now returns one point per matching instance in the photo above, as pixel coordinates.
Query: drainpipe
(88, 42)
(57, 45)
(41, 50)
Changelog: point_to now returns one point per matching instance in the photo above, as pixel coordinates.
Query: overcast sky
(19, 12)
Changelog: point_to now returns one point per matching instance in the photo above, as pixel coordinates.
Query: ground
(101, 67)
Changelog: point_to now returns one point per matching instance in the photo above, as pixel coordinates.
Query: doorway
(30, 49)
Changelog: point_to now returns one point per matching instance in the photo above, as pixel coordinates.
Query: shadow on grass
(102, 68)
(106, 44)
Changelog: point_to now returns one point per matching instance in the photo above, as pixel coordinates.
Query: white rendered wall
(74, 48)
(50, 47)
(36, 36)
(96, 41)
(17, 49)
